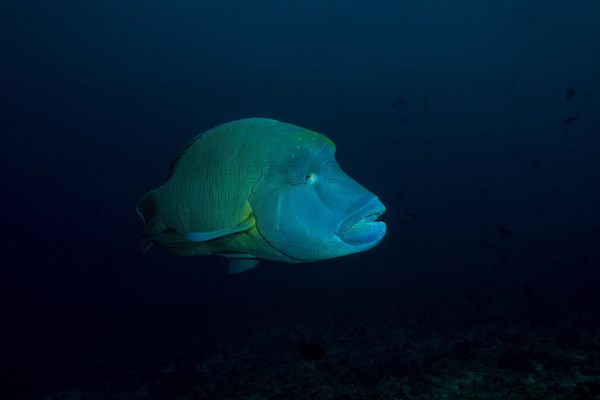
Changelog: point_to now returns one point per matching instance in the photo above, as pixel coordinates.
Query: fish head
(308, 209)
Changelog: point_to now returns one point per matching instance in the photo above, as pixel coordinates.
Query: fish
(259, 189)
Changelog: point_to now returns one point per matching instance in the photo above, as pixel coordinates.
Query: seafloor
(368, 351)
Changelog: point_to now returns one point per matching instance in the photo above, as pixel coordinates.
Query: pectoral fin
(205, 236)
(172, 242)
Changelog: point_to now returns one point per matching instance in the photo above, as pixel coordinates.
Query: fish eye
(310, 177)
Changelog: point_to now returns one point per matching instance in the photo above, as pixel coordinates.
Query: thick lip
(361, 226)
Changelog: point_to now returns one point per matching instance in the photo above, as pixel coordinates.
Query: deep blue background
(95, 99)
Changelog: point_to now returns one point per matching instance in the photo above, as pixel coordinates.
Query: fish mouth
(361, 227)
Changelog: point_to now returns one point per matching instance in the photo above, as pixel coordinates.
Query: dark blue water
(476, 123)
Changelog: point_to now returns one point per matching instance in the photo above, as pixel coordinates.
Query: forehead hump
(293, 141)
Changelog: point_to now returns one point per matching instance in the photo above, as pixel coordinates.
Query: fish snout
(361, 227)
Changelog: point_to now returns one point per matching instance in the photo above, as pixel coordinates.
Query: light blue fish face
(308, 209)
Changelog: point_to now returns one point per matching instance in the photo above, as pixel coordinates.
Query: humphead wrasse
(257, 189)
